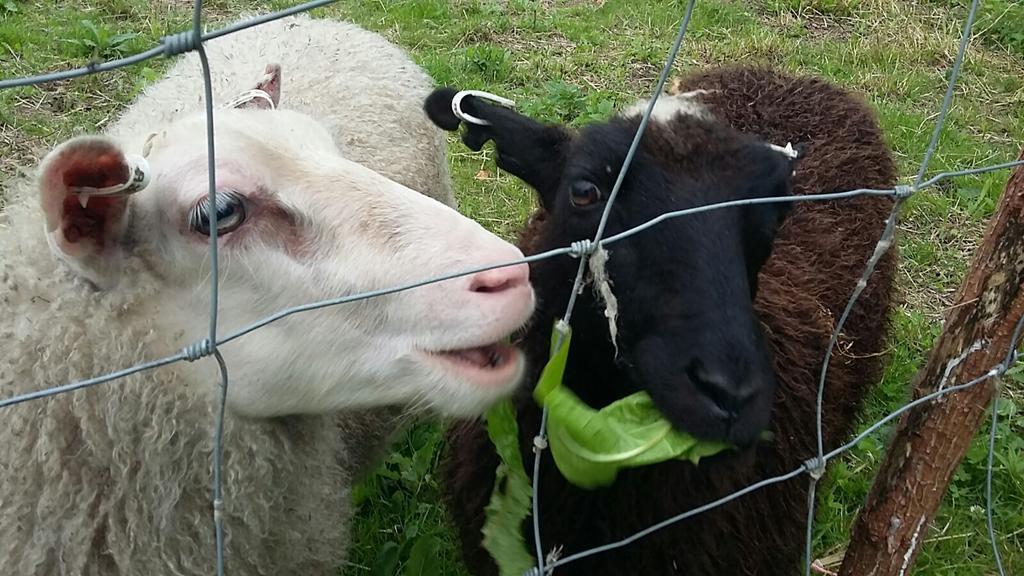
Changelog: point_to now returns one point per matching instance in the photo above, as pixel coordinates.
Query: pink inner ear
(91, 222)
(85, 168)
(271, 82)
(92, 165)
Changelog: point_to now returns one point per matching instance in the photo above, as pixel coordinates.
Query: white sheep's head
(297, 223)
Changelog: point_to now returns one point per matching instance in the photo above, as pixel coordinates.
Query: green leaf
(591, 446)
(510, 499)
(423, 557)
(121, 38)
(386, 561)
(91, 27)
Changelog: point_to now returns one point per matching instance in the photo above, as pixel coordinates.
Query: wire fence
(814, 467)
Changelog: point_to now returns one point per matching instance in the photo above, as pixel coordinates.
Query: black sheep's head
(688, 331)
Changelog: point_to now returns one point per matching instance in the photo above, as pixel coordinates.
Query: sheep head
(687, 329)
(296, 223)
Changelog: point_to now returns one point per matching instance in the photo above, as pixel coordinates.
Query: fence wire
(193, 39)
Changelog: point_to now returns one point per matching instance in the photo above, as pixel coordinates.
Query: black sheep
(724, 316)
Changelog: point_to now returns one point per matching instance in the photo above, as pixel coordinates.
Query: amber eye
(584, 193)
(230, 213)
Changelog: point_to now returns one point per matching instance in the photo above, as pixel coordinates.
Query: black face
(688, 333)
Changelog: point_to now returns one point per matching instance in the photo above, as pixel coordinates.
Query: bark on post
(931, 440)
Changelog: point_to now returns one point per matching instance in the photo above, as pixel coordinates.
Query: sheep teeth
(83, 199)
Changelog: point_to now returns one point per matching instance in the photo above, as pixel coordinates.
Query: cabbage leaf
(590, 446)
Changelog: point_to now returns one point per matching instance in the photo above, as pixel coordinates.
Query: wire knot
(180, 43)
(815, 467)
(581, 248)
(999, 370)
(903, 191)
(540, 444)
(218, 509)
(198, 350)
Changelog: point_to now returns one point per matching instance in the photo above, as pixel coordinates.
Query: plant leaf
(121, 38)
(591, 446)
(91, 27)
(387, 560)
(423, 557)
(510, 499)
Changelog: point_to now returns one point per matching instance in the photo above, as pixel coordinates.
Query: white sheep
(116, 478)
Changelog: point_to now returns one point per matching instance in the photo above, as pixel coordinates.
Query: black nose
(728, 391)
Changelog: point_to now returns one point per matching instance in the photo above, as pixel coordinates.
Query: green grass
(573, 60)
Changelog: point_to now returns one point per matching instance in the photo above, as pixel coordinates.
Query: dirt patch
(516, 40)
(17, 153)
(816, 26)
(555, 4)
(930, 287)
(823, 28)
(642, 73)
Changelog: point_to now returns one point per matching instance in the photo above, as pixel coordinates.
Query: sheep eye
(584, 193)
(230, 213)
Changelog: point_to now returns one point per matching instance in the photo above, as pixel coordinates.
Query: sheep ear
(771, 176)
(533, 152)
(84, 186)
(269, 83)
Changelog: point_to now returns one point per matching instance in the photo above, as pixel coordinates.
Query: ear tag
(788, 151)
(249, 96)
(138, 179)
(457, 105)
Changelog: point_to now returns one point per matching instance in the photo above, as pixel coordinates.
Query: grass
(573, 60)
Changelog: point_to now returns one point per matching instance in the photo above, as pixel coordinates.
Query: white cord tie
(457, 105)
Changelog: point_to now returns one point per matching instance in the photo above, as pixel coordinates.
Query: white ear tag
(249, 96)
(457, 105)
(138, 179)
(788, 151)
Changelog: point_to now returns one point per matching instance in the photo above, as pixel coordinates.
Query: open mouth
(482, 363)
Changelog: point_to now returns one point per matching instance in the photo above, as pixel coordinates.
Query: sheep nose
(728, 394)
(500, 279)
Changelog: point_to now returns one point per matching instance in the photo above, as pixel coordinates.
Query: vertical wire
(883, 245)
(540, 439)
(211, 343)
(990, 525)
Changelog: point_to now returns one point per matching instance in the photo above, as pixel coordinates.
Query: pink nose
(500, 279)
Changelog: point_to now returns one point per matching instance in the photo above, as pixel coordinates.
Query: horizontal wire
(4, 403)
(568, 250)
(993, 372)
(156, 51)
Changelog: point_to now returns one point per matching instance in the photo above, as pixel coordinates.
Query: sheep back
(365, 90)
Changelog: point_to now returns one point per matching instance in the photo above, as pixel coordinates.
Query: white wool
(368, 92)
(116, 479)
(603, 288)
(669, 105)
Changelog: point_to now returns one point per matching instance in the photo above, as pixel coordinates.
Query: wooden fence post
(931, 440)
